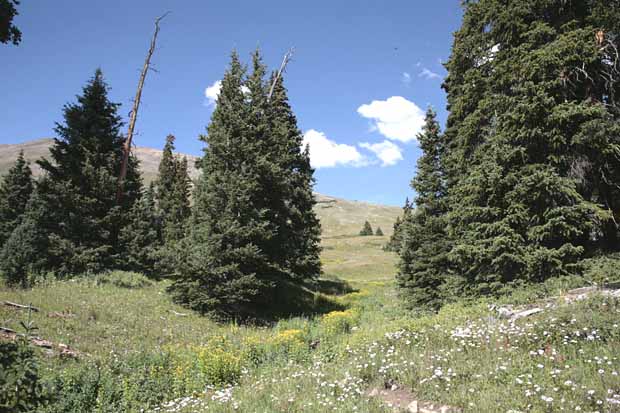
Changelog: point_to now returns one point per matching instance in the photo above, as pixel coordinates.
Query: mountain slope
(338, 216)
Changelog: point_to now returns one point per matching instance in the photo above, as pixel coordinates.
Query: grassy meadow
(137, 351)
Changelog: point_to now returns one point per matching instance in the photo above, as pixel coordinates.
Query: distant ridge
(338, 216)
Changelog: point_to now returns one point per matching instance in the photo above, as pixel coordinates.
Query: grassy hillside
(339, 217)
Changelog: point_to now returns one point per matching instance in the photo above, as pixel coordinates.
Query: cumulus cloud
(395, 118)
(429, 74)
(213, 91)
(325, 153)
(388, 152)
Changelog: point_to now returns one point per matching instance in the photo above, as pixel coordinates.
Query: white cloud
(429, 74)
(388, 152)
(406, 78)
(396, 118)
(213, 91)
(325, 153)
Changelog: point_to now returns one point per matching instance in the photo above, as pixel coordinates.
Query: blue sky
(362, 74)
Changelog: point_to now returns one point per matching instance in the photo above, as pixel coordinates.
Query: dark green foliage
(424, 244)
(173, 187)
(15, 190)
(366, 229)
(8, 31)
(24, 254)
(531, 151)
(536, 138)
(252, 226)
(379, 232)
(298, 226)
(225, 269)
(20, 385)
(396, 238)
(79, 188)
(141, 238)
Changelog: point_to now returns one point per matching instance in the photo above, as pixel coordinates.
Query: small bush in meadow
(125, 279)
(20, 385)
(339, 322)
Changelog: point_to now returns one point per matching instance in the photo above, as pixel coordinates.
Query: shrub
(20, 386)
(339, 322)
(125, 279)
(219, 362)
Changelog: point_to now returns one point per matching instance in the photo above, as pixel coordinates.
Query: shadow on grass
(292, 300)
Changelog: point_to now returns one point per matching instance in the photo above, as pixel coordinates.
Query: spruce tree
(379, 232)
(366, 229)
(424, 243)
(141, 239)
(531, 164)
(394, 243)
(299, 227)
(224, 269)
(15, 190)
(173, 190)
(80, 181)
(25, 253)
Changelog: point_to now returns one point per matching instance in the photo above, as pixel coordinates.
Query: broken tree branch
(134, 111)
(285, 60)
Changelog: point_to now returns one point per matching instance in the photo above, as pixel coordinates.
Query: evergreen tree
(532, 139)
(394, 243)
(299, 227)
(379, 232)
(252, 225)
(424, 242)
(24, 254)
(173, 187)
(79, 187)
(142, 237)
(8, 31)
(366, 229)
(15, 190)
(225, 269)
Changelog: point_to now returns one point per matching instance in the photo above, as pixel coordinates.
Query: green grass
(138, 350)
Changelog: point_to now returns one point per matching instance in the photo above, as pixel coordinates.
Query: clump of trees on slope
(251, 229)
(523, 183)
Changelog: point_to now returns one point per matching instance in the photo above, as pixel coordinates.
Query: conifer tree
(299, 227)
(252, 226)
(532, 89)
(15, 190)
(225, 270)
(24, 255)
(142, 237)
(173, 187)
(366, 229)
(379, 232)
(79, 187)
(394, 243)
(424, 243)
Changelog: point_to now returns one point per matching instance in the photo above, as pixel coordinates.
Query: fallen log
(20, 306)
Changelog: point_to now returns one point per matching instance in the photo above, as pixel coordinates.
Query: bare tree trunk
(134, 111)
(287, 58)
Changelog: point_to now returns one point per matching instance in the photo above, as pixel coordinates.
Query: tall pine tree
(423, 265)
(252, 227)
(173, 191)
(532, 139)
(15, 190)
(224, 269)
(300, 229)
(80, 181)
